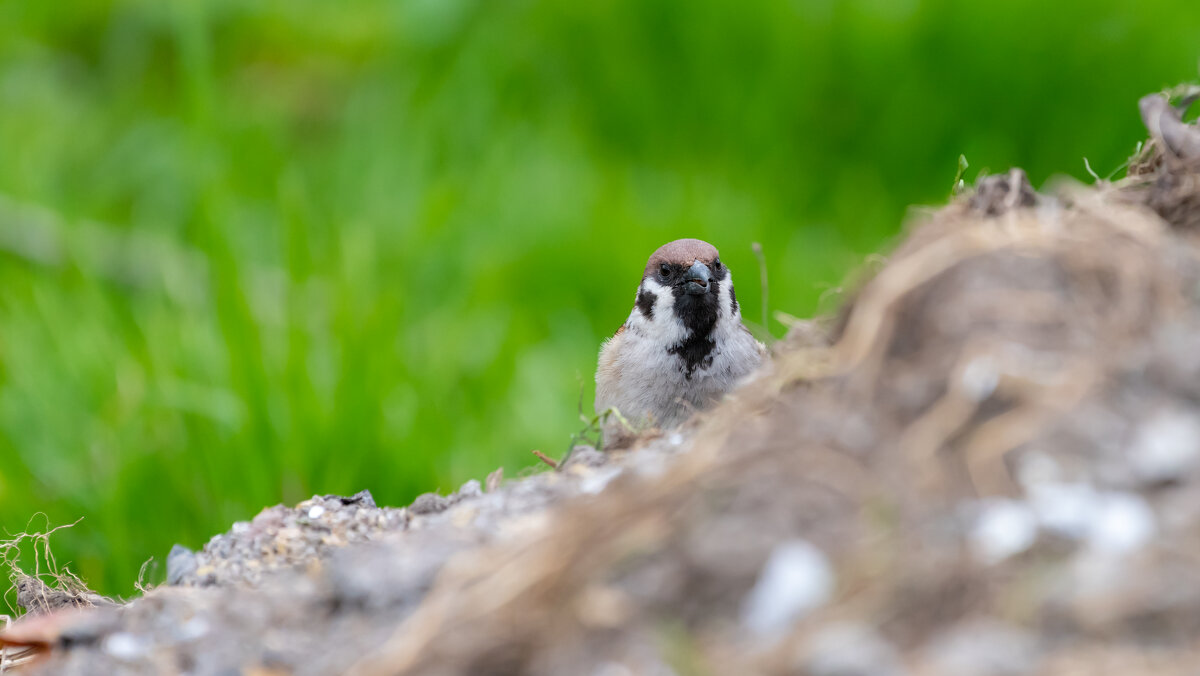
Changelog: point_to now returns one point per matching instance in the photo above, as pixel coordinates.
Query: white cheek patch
(663, 300)
(662, 325)
(727, 302)
(723, 304)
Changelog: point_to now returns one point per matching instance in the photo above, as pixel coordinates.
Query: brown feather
(681, 252)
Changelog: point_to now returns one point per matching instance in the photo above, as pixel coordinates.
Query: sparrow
(681, 349)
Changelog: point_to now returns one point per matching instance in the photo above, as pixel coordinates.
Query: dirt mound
(989, 465)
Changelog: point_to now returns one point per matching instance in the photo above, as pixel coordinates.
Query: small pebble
(1002, 529)
(315, 511)
(596, 481)
(980, 378)
(125, 646)
(1167, 446)
(471, 489)
(362, 498)
(429, 503)
(181, 562)
(1064, 508)
(192, 629)
(1122, 522)
(796, 579)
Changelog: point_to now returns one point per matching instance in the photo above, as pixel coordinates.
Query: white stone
(315, 511)
(1166, 446)
(194, 628)
(1064, 508)
(125, 646)
(796, 579)
(980, 378)
(1002, 529)
(1122, 522)
(597, 481)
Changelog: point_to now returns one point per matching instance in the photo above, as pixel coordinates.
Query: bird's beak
(695, 282)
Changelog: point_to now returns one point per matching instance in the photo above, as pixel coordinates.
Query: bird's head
(685, 292)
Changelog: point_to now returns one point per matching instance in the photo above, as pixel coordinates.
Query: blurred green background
(252, 251)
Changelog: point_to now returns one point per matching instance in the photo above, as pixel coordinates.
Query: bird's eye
(717, 264)
(664, 270)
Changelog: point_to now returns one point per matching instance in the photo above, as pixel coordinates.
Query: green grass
(251, 251)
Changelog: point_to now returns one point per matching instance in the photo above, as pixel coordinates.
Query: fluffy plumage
(682, 347)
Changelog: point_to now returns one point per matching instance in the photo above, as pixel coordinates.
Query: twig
(788, 320)
(494, 479)
(4, 649)
(545, 458)
(140, 585)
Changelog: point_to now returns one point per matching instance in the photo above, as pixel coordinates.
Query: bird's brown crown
(680, 252)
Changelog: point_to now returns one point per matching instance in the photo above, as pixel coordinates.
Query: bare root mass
(989, 463)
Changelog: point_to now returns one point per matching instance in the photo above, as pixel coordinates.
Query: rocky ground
(988, 463)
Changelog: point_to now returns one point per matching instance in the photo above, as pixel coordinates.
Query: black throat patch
(645, 304)
(699, 314)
